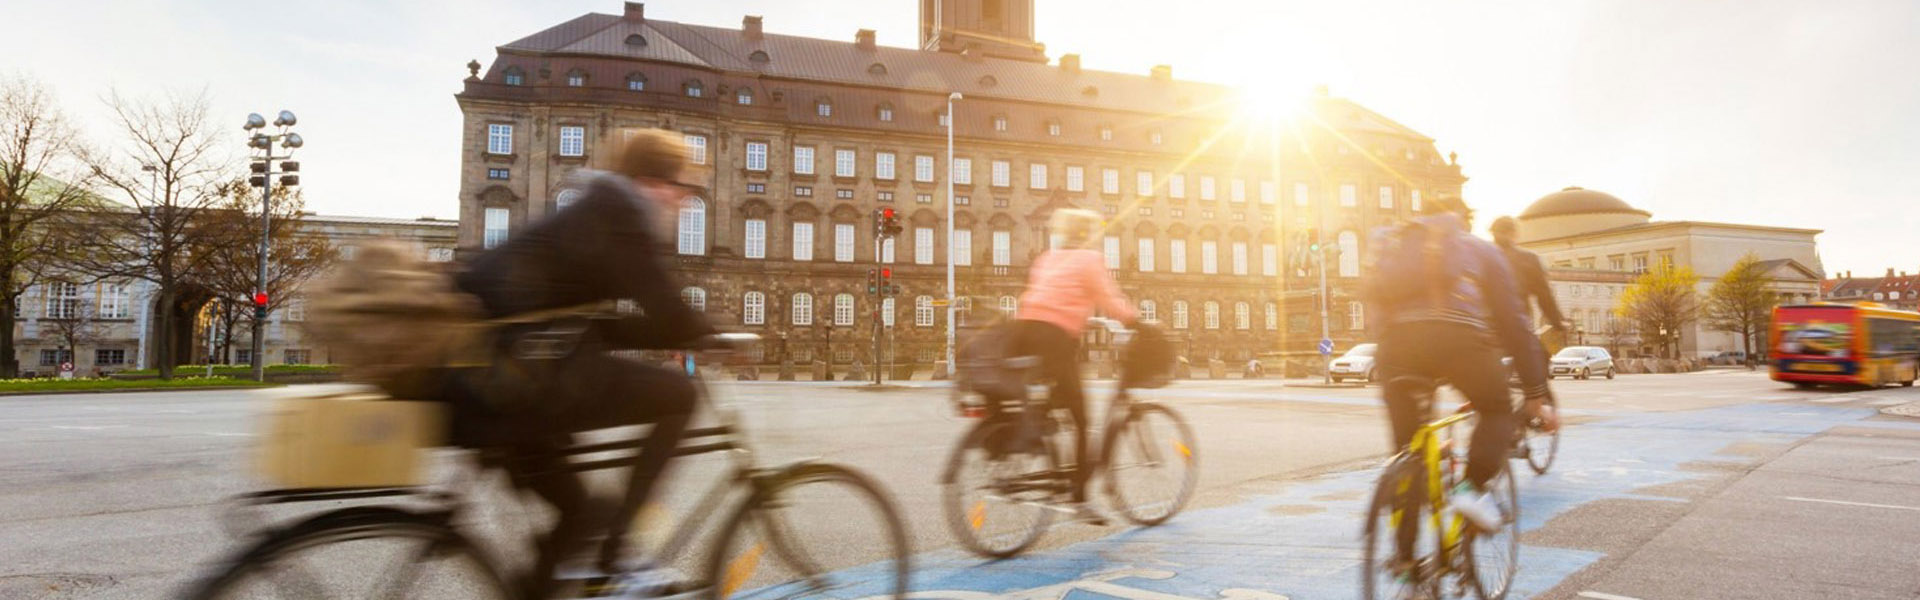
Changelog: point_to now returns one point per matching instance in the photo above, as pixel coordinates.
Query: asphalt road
(1710, 485)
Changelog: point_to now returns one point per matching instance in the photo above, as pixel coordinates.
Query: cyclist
(1531, 276)
(1450, 311)
(547, 382)
(1064, 287)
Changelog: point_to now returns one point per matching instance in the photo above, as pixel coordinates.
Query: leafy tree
(43, 192)
(1742, 302)
(1661, 303)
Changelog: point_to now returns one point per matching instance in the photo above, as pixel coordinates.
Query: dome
(1575, 200)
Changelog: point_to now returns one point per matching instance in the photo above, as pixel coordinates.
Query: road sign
(1326, 346)
(66, 370)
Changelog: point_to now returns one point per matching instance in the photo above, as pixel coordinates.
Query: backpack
(393, 320)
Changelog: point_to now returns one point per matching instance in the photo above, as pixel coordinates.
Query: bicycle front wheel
(1495, 557)
(1396, 560)
(361, 552)
(1152, 462)
(812, 531)
(996, 490)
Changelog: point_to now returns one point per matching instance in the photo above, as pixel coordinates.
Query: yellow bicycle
(1414, 546)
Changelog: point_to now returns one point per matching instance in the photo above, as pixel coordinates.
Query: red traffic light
(260, 299)
(886, 273)
(886, 213)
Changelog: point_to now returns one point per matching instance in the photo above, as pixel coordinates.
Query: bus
(1851, 344)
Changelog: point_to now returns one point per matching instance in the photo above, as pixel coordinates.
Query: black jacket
(601, 248)
(1532, 279)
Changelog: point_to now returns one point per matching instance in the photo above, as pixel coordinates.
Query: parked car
(1581, 362)
(1357, 363)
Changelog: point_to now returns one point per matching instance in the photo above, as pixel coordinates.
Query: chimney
(1889, 272)
(1163, 72)
(1070, 63)
(636, 12)
(750, 25)
(864, 39)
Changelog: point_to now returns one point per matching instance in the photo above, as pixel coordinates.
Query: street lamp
(263, 172)
(951, 98)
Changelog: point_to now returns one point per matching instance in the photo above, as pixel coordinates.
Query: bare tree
(1742, 302)
(294, 254)
(43, 190)
(77, 329)
(169, 171)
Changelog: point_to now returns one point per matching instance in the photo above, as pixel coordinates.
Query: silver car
(1581, 362)
(1355, 364)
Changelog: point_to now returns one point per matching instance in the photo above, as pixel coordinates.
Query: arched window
(753, 310)
(1349, 254)
(843, 309)
(637, 81)
(695, 89)
(576, 78)
(696, 298)
(1009, 304)
(693, 227)
(1211, 313)
(637, 41)
(886, 312)
(1179, 314)
(1149, 312)
(802, 309)
(759, 56)
(565, 199)
(515, 76)
(1356, 316)
(1242, 316)
(1273, 316)
(923, 311)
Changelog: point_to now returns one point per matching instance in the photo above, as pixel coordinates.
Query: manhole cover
(1910, 409)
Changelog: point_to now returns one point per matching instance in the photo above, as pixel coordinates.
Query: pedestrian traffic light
(873, 282)
(260, 299)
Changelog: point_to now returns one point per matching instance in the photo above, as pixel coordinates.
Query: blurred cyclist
(549, 381)
(1450, 312)
(1064, 287)
(1531, 275)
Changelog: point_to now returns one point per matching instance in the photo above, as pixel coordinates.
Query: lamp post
(263, 172)
(950, 289)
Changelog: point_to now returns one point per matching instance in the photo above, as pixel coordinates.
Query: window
(695, 298)
(440, 255)
(753, 310)
(1179, 314)
(962, 200)
(1149, 312)
(881, 196)
(823, 108)
(843, 163)
(1356, 316)
(1273, 316)
(756, 188)
(803, 160)
(963, 171)
(1143, 183)
(697, 149)
(1242, 316)
(573, 141)
(576, 79)
(923, 311)
(999, 123)
(803, 308)
(63, 300)
(886, 250)
(883, 165)
(495, 231)
(1111, 248)
(499, 139)
(756, 156)
(53, 358)
(1106, 134)
(1349, 254)
(1639, 263)
(565, 199)
(923, 169)
(113, 301)
(744, 96)
(923, 198)
(693, 227)
(1110, 181)
(1053, 128)
(1002, 173)
(803, 241)
(1002, 248)
(1076, 179)
(843, 242)
(296, 310)
(843, 194)
(885, 113)
(962, 247)
(1239, 258)
(1237, 190)
(923, 245)
(843, 310)
(1300, 196)
(636, 82)
(1386, 196)
(1617, 263)
(1210, 312)
(1037, 176)
(1177, 255)
(1146, 255)
(1177, 185)
(515, 77)
(243, 356)
(1209, 257)
(1155, 138)
(886, 312)
(943, 118)
(694, 89)
(1269, 260)
(1206, 187)
(1413, 200)
(1009, 305)
(499, 174)
(1347, 195)
(107, 357)
(756, 238)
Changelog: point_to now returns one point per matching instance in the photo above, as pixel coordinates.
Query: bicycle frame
(1426, 445)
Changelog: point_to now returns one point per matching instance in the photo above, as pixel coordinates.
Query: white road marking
(1846, 503)
(1832, 400)
(88, 427)
(1887, 402)
(1900, 458)
(1604, 596)
(225, 434)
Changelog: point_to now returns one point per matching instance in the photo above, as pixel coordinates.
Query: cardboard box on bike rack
(358, 439)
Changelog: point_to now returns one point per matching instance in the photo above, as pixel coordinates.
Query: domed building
(1594, 244)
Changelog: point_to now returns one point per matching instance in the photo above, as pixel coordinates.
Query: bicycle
(737, 564)
(1414, 485)
(1019, 459)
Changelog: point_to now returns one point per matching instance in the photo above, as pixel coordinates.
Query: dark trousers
(1467, 359)
(1059, 362)
(599, 391)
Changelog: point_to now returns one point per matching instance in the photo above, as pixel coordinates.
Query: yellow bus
(1854, 344)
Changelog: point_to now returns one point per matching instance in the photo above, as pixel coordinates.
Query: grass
(90, 385)
(235, 370)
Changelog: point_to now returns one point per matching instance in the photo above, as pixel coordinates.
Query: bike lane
(1302, 540)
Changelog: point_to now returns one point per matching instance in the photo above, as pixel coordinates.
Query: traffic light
(890, 221)
(1313, 240)
(886, 282)
(873, 281)
(260, 299)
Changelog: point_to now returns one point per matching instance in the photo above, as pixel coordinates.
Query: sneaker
(1478, 507)
(649, 580)
(1085, 513)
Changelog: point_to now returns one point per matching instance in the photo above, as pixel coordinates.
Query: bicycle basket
(347, 440)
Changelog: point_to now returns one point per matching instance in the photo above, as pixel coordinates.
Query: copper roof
(1575, 200)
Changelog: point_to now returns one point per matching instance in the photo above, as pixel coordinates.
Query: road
(1710, 485)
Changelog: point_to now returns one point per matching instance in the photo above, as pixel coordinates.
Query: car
(1357, 363)
(1581, 362)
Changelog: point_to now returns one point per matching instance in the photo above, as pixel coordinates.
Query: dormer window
(884, 112)
(988, 81)
(576, 78)
(515, 76)
(637, 41)
(695, 89)
(823, 107)
(1106, 133)
(759, 56)
(999, 123)
(942, 116)
(1053, 128)
(636, 82)
(1155, 138)
(876, 69)
(744, 96)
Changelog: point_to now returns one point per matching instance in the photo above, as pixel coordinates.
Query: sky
(1771, 112)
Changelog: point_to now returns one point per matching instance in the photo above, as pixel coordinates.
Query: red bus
(1853, 344)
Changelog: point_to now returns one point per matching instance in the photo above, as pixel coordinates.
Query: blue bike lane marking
(1302, 542)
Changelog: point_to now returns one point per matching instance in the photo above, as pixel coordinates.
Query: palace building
(803, 138)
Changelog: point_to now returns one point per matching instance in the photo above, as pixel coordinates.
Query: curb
(197, 388)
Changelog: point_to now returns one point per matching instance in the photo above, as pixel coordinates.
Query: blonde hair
(652, 153)
(1077, 227)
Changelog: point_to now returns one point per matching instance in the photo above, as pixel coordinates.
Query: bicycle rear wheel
(996, 490)
(1495, 557)
(361, 552)
(1540, 447)
(1152, 462)
(812, 531)
(1385, 572)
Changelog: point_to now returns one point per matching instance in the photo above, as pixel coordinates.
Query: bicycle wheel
(361, 552)
(1495, 557)
(1540, 447)
(812, 531)
(996, 491)
(1152, 462)
(1385, 572)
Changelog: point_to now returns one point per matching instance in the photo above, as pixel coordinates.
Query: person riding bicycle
(1450, 311)
(1064, 287)
(550, 380)
(1531, 275)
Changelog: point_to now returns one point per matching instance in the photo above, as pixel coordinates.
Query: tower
(998, 28)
